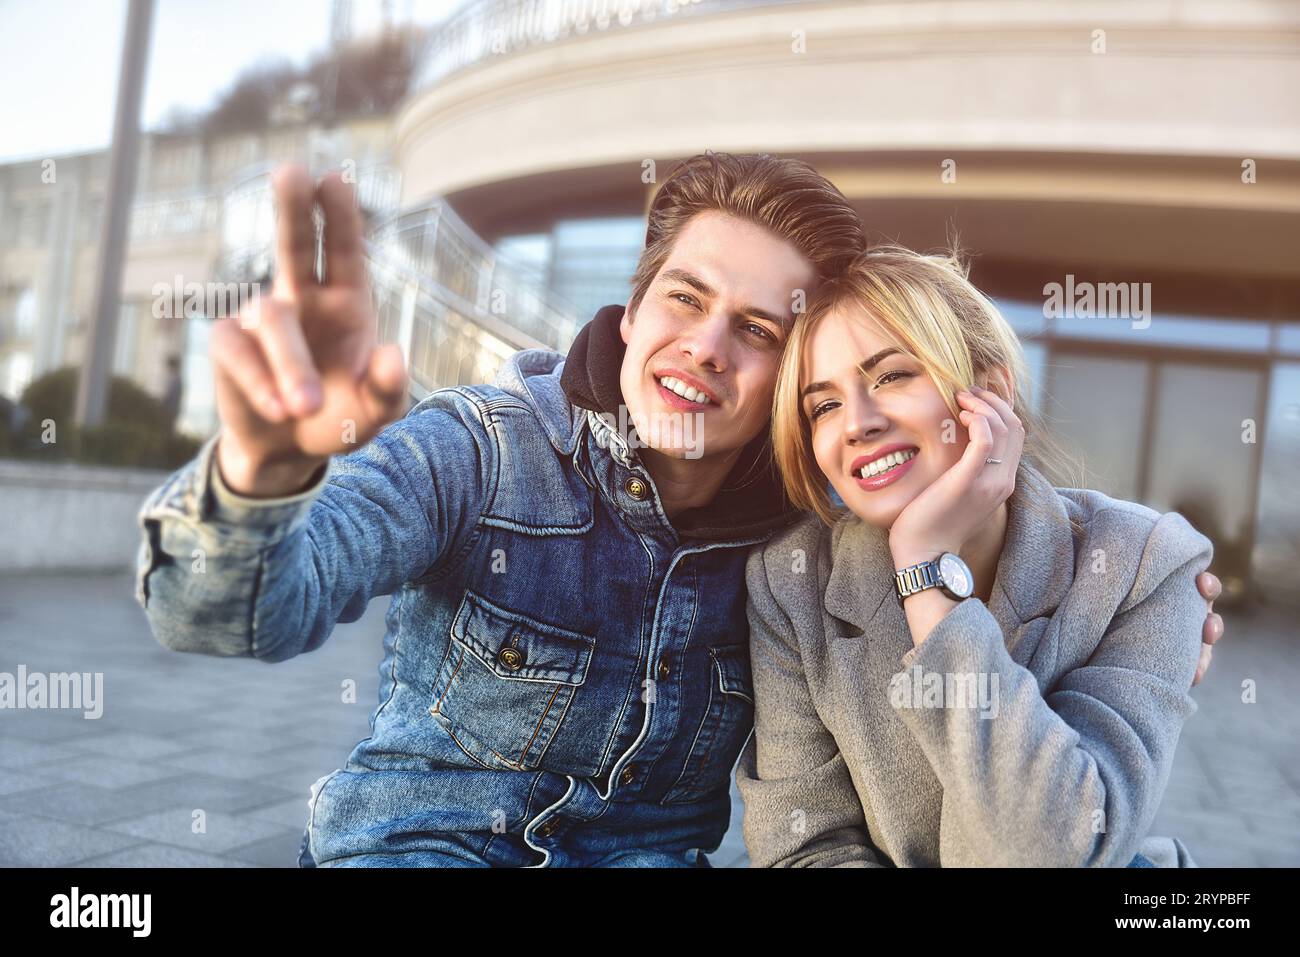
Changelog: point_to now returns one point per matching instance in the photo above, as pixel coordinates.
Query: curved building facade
(1151, 147)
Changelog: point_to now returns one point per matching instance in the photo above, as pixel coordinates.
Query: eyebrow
(698, 284)
(866, 365)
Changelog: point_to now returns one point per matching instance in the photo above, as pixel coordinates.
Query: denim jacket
(566, 674)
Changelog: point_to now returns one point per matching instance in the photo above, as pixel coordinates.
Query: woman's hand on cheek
(958, 503)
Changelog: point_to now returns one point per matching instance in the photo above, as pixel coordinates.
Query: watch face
(956, 576)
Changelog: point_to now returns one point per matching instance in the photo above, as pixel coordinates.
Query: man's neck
(687, 483)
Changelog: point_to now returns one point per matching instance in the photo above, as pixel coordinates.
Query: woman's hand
(957, 504)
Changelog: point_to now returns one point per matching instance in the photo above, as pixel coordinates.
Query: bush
(135, 433)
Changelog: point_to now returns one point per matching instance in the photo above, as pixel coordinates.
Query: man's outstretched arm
(225, 574)
(249, 550)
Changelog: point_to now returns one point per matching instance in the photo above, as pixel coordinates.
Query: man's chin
(692, 452)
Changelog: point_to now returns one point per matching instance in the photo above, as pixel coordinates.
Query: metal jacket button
(628, 775)
(511, 659)
(636, 488)
(546, 828)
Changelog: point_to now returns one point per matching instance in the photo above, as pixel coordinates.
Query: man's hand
(299, 376)
(1210, 588)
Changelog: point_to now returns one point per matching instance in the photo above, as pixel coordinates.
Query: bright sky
(59, 59)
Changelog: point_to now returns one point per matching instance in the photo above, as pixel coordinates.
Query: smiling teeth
(682, 389)
(885, 463)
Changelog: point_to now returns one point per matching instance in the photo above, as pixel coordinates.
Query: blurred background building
(505, 159)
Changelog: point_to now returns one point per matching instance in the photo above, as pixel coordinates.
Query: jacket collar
(1034, 572)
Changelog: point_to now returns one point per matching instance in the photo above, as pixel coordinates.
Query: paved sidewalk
(242, 742)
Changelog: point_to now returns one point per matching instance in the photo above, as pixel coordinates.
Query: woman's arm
(1073, 778)
(801, 809)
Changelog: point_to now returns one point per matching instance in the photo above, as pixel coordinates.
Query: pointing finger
(296, 246)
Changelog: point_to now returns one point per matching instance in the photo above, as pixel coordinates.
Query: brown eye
(889, 377)
(821, 408)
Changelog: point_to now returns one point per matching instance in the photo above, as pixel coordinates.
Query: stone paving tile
(87, 804)
(60, 727)
(221, 762)
(27, 841)
(17, 780)
(19, 753)
(131, 744)
(279, 850)
(246, 741)
(80, 804)
(160, 855)
(289, 814)
(229, 737)
(176, 826)
(106, 772)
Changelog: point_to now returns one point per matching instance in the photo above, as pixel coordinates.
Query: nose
(707, 340)
(863, 418)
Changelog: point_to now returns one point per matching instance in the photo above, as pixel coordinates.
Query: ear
(625, 326)
(1000, 381)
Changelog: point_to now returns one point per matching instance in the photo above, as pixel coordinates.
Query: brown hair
(932, 311)
(787, 196)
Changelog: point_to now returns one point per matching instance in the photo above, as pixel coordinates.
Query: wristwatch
(948, 573)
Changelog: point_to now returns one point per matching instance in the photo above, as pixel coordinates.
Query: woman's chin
(883, 520)
(871, 508)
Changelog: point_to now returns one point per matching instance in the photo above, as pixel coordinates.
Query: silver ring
(992, 461)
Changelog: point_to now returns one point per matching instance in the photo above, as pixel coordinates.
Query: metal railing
(456, 307)
(168, 216)
(490, 28)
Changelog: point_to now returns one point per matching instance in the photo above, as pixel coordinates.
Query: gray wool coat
(1038, 730)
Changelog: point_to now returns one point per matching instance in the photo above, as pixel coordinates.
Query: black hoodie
(751, 501)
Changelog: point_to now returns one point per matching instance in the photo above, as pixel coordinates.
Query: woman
(1016, 695)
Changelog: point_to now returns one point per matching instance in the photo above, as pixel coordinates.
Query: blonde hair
(931, 310)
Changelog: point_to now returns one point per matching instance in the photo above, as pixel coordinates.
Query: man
(566, 677)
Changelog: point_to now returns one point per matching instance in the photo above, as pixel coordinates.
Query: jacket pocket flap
(517, 647)
(734, 676)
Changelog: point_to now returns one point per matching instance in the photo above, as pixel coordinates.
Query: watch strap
(916, 578)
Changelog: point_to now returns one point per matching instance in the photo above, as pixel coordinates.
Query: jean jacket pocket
(505, 683)
(727, 722)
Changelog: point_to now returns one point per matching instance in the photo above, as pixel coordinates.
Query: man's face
(714, 320)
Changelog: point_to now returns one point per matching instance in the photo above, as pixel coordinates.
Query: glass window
(1288, 337)
(594, 260)
(1192, 333)
(1203, 454)
(1036, 359)
(1276, 557)
(1096, 407)
(1025, 317)
(528, 255)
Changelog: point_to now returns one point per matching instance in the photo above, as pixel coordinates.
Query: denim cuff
(195, 498)
(225, 507)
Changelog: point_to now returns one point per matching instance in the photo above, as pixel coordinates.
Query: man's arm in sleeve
(222, 574)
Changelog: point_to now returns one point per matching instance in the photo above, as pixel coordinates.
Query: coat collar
(1034, 572)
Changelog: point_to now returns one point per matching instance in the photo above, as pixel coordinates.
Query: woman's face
(871, 406)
